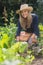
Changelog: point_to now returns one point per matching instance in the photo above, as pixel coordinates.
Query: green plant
(7, 35)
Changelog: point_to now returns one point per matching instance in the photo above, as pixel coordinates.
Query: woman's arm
(35, 29)
(35, 26)
(18, 31)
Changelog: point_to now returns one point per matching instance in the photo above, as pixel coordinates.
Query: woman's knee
(34, 40)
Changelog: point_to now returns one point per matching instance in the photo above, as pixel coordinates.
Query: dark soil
(37, 61)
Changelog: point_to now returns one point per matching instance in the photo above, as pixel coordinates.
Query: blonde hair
(25, 23)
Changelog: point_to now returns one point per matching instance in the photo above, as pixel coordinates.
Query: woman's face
(24, 13)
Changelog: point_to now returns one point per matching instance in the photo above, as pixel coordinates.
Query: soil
(37, 61)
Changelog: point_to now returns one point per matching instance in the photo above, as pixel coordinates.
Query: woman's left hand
(34, 38)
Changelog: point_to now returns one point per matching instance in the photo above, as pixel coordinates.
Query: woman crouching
(27, 25)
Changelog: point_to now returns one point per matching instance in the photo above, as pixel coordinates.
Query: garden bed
(10, 50)
(38, 61)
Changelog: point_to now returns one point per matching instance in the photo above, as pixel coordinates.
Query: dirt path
(37, 61)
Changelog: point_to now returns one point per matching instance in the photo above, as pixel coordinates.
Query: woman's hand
(17, 38)
(33, 35)
(34, 38)
(22, 33)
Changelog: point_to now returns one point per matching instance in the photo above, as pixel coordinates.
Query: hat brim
(30, 9)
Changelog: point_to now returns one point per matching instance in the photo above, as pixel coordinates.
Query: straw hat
(23, 7)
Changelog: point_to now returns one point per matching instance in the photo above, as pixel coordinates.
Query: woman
(27, 25)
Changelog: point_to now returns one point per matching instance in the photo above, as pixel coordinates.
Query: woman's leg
(25, 37)
(32, 40)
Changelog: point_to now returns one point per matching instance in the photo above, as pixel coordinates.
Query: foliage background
(15, 4)
(10, 50)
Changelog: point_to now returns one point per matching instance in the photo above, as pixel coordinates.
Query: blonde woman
(27, 24)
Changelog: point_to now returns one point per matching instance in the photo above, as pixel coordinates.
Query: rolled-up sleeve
(35, 25)
(18, 29)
